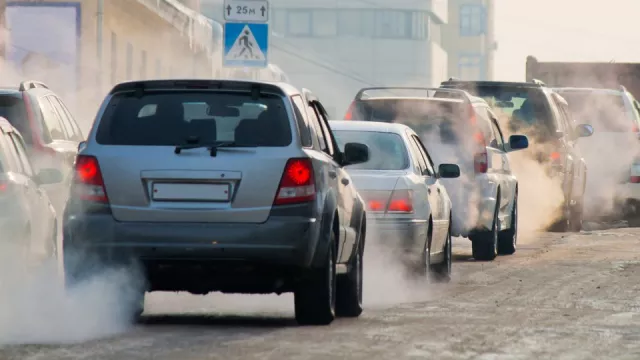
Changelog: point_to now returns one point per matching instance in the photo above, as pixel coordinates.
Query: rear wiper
(213, 148)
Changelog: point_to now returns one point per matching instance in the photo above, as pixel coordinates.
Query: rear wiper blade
(211, 147)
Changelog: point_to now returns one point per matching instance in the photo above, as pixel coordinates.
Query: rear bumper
(627, 191)
(398, 236)
(472, 206)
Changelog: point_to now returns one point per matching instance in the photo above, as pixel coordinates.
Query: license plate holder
(190, 192)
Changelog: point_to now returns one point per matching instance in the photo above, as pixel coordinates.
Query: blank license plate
(191, 192)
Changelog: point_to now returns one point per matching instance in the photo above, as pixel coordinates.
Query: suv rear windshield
(605, 112)
(386, 150)
(444, 116)
(12, 108)
(522, 106)
(204, 117)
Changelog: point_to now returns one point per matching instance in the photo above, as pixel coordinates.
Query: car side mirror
(355, 153)
(583, 130)
(517, 142)
(49, 176)
(448, 171)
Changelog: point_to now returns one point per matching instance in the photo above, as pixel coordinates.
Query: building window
(473, 20)
(324, 23)
(471, 67)
(393, 24)
(356, 22)
(114, 58)
(299, 23)
(143, 65)
(420, 25)
(129, 61)
(279, 21)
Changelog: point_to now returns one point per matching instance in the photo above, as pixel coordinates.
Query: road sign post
(246, 33)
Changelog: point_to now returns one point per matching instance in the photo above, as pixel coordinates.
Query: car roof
(287, 88)
(373, 126)
(5, 125)
(493, 83)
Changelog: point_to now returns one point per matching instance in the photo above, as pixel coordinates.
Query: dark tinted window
(12, 108)
(605, 112)
(524, 107)
(169, 118)
(387, 151)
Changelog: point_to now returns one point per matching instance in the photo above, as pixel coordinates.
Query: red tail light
(635, 128)
(297, 184)
(634, 179)
(401, 202)
(88, 182)
(555, 156)
(4, 187)
(349, 114)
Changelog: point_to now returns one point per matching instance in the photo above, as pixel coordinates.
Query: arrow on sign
(262, 9)
(228, 10)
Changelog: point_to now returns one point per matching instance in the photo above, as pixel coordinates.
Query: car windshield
(386, 150)
(605, 112)
(202, 117)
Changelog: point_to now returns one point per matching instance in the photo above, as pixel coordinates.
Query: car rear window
(605, 112)
(203, 117)
(522, 106)
(387, 151)
(12, 108)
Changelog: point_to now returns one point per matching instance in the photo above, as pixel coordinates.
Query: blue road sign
(246, 44)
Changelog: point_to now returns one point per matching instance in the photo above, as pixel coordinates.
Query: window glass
(472, 20)
(392, 24)
(386, 150)
(62, 116)
(425, 154)
(301, 119)
(315, 122)
(324, 23)
(170, 118)
(51, 120)
(325, 128)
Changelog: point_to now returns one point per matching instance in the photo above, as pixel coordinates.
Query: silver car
(28, 225)
(216, 185)
(408, 208)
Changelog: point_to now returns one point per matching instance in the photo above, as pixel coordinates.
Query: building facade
(469, 39)
(336, 47)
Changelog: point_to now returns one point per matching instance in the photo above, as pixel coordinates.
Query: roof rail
(622, 88)
(391, 89)
(453, 79)
(538, 82)
(31, 84)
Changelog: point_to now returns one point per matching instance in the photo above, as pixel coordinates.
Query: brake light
(401, 202)
(376, 205)
(297, 184)
(635, 128)
(555, 156)
(634, 179)
(349, 114)
(3, 187)
(88, 181)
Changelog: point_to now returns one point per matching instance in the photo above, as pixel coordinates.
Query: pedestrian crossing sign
(246, 44)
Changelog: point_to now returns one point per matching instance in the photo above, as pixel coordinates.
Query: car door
(324, 162)
(500, 166)
(575, 167)
(435, 192)
(345, 191)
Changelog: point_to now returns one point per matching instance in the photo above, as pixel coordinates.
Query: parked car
(28, 222)
(220, 200)
(50, 132)
(613, 186)
(544, 116)
(408, 208)
(459, 128)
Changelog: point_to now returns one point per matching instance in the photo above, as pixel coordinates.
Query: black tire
(349, 286)
(315, 300)
(508, 239)
(484, 245)
(441, 272)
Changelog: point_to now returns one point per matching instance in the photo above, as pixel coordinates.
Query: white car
(459, 128)
(28, 221)
(407, 205)
(613, 184)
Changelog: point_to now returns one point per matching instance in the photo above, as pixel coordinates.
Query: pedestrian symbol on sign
(245, 47)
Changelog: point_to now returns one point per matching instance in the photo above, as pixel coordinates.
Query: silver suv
(217, 185)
